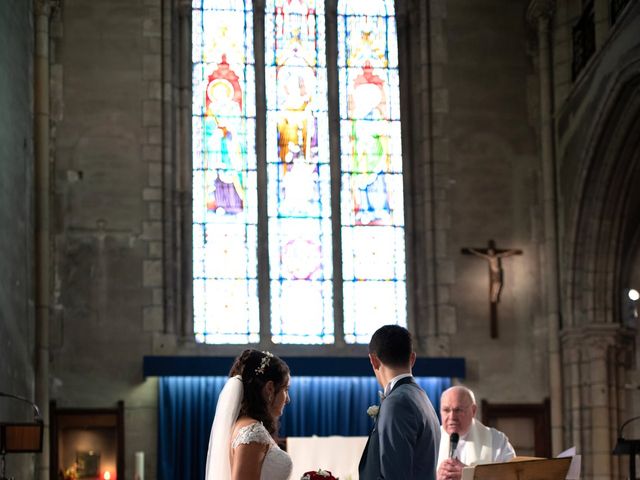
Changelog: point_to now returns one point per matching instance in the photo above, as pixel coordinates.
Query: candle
(139, 472)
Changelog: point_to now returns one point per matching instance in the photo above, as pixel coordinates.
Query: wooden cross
(494, 256)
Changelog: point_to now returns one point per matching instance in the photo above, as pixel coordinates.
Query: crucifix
(494, 257)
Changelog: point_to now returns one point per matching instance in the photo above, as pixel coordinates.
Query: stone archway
(602, 236)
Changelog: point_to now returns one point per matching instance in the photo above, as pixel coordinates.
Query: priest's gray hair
(461, 388)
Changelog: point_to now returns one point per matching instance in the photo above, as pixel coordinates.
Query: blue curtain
(319, 406)
(337, 405)
(186, 406)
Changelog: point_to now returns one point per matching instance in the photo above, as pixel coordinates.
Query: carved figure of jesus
(494, 257)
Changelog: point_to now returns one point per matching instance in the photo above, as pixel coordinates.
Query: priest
(464, 441)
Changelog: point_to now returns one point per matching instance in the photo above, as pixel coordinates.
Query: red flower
(318, 475)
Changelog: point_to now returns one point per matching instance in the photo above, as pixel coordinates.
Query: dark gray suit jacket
(404, 442)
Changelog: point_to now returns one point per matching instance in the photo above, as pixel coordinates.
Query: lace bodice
(277, 463)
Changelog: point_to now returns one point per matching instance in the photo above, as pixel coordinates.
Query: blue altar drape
(319, 406)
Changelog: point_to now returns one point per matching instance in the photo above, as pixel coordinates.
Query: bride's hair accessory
(264, 363)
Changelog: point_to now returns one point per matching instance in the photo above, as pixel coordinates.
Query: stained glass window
(225, 272)
(298, 176)
(372, 212)
(297, 228)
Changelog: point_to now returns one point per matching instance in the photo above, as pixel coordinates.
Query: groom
(403, 444)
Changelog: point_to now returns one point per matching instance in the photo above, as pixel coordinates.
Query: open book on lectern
(526, 469)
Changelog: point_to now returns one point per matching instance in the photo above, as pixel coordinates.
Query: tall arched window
(319, 204)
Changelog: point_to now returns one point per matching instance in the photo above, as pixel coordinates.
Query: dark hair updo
(256, 369)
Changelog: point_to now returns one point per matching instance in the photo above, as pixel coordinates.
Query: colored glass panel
(298, 177)
(225, 288)
(372, 208)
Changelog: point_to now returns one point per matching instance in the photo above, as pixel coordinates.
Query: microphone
(453, 443)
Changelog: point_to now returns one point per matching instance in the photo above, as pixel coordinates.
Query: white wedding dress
(277, 463)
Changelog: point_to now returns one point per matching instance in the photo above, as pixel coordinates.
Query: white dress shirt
(393, 381)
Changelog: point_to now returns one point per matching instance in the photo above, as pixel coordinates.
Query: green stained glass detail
(372, 208)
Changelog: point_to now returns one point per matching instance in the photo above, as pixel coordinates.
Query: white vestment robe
(479, 446)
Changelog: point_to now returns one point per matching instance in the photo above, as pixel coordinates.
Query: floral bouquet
(318, 475)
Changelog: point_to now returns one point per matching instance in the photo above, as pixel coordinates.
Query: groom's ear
(375, 361)
(412, 359)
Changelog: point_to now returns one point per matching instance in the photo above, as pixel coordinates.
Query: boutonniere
(374, 410)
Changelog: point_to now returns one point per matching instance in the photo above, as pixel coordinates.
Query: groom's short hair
(393, 345)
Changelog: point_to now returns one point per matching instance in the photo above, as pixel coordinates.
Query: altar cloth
(340, 455)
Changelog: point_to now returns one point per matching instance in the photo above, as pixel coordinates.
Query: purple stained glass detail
(224, 198)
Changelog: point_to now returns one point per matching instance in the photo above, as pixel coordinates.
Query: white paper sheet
(576, 461)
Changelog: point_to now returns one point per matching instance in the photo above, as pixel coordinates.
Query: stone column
(169, 173)
(261, 156)
(597, 351)
(572, 408)
(331, 32)
(42, 146)
(184, 169)
(539, 14)
(153, 313)
(430, 115)
(596, 354)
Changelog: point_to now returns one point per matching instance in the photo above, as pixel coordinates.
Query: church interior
(507, 183)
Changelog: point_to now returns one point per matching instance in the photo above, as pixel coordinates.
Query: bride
(242, 445)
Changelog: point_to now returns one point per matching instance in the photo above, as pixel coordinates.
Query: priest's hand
(450, 469)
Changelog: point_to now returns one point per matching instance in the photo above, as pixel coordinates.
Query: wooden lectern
(538, 469)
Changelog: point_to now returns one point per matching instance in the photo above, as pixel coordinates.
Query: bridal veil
(227, 410)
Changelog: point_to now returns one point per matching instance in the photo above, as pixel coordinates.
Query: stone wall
(107, 120)
(17, 327)
(491, 182)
